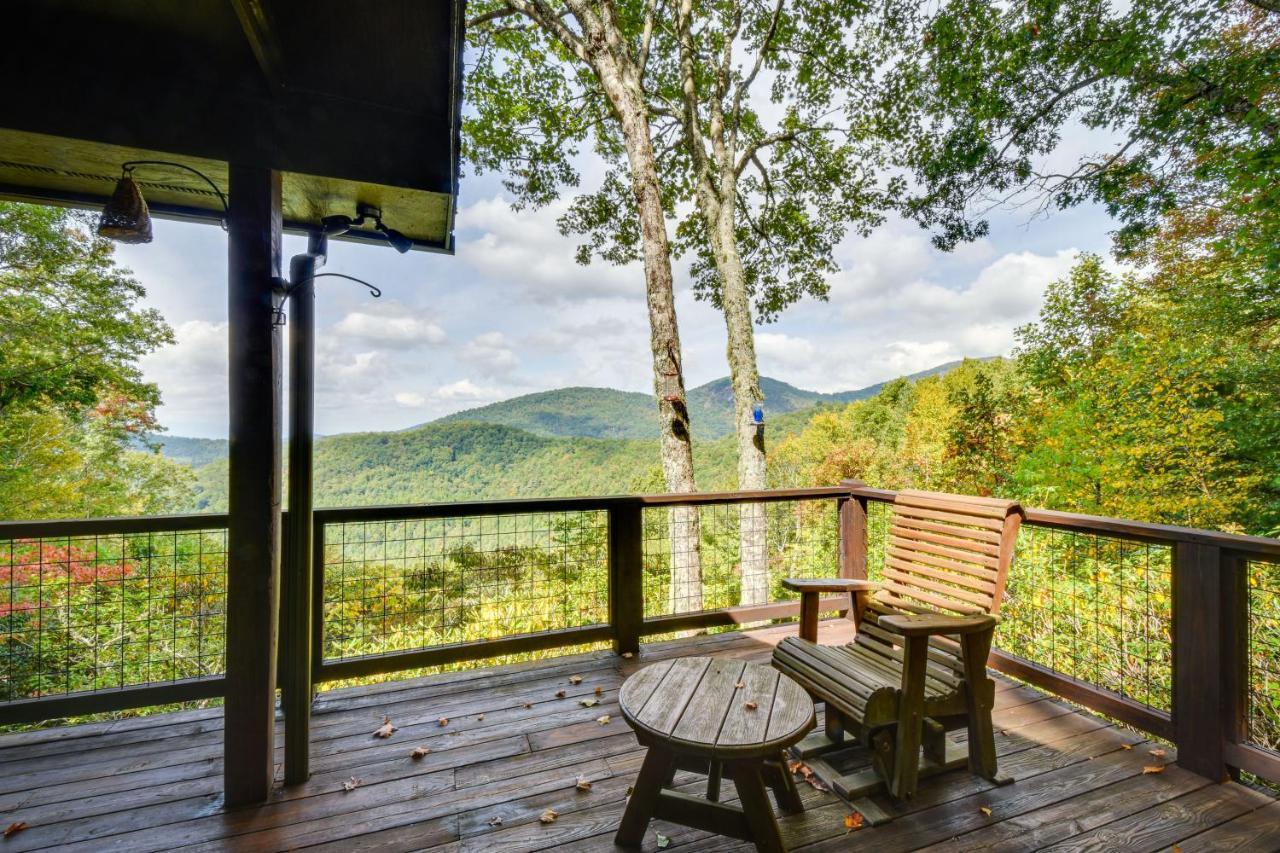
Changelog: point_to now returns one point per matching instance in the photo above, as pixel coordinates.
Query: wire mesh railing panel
(710, 557)
(1093, 608)
(96, 612)
(1263, 679)
(395, 586)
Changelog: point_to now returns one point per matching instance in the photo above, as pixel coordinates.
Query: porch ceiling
(352, 102)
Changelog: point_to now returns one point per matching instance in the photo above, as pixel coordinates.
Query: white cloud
(491, 353)
(466, 391)
(392, 326)
(192, 376)
(410, 400)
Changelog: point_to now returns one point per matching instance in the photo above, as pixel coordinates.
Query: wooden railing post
(853, 541)
(1205, 651)
(626, 575)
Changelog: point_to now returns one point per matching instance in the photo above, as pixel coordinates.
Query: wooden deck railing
(1161, 627)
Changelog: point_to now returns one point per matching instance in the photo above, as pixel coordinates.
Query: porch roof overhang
(351, 102)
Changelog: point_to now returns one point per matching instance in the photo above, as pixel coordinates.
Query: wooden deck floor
(512, 749)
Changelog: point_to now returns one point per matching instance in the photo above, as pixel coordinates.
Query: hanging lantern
(126, 218)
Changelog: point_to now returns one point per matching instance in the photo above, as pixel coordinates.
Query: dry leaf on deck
(663, 841)
(575, 679)
(582, 783)
(793, 767)
(1152, 768)
(15, 828)
(420, 752)
(442, 722)
(986, 811)
(559, 694)
(750, 706)
(604, 721)
(549, 816)
(587, 703)
(352, 783)
(853, 821)
(599, 691)
(496, 820)
(807, 775)
(1126, 746)
(528, 704)
(628, 655)
(740, 685)
(385, 729)
(480, 718)
(1158, 753)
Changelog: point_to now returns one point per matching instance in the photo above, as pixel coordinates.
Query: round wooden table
(714, 716)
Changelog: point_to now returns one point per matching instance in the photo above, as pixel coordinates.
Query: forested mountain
(607, 413)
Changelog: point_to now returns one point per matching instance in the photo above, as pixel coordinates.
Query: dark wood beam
(255, 20)
(253, 538)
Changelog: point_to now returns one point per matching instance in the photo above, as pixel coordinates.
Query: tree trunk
(745, 379)
(627, 99)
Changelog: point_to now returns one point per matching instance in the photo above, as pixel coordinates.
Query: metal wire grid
(393, 586)
(1263, 627)
(106, 611)
(1094, 608)
(724, 542)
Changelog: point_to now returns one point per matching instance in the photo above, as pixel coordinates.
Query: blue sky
(511, 313)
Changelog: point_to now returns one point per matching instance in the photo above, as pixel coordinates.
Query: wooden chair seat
(917, 666)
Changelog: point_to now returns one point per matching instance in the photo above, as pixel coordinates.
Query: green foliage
(1188, 90)
(72, 401)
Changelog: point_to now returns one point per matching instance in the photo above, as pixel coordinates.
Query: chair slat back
(945, 554)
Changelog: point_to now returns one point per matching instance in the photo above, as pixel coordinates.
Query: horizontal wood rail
(1206, 718)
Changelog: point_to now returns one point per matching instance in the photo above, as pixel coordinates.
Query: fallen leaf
(385, 729)
(739, 685)
(559, 694)
(549, 816)
(986, 811)
(575, 679)
(1158, 753)
(587, 703)
(480, 718)
(420, 752)
(663, 841)
(853, 821)
(628, 655)
(15, 828)
(582, 783)
(1126, 746)
(604, 721)
(599, 691)
(750, 706)
(806, 774)
(794, 766)
(528, 704)
(443, 721)
(496, 820)
(352, 783)
(1153, 768)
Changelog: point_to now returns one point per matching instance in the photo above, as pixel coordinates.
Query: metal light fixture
(126, 217)
(338, 224)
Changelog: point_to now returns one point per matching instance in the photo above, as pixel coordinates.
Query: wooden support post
(853, 546)
(1201, 657)
(295, 595)
(253, 528)
(626, 575)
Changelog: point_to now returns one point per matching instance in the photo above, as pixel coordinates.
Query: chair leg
(906, 764)
(979, 693)
(658, 764)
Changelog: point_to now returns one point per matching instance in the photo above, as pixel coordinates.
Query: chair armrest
(821, 585)
(934, 624)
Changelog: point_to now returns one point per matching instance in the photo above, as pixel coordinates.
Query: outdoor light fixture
(126, 218)
(336, 225)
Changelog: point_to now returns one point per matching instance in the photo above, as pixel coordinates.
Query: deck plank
(512, 749)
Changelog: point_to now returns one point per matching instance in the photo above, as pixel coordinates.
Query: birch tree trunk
(621, 84)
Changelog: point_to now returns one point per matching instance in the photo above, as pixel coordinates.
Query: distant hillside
(606, 413)
(190, 451)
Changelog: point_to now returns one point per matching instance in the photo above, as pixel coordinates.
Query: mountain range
(566, 441)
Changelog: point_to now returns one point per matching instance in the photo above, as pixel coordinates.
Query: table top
(716, 707)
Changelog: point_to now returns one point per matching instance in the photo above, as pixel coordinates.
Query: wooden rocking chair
(917, 668)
